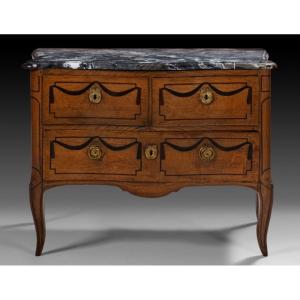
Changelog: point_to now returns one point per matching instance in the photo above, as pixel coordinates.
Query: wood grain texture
(146, 189)
(36, 187)
(37, 208)
(236, 125)
(234, 165)
(265, 187)
(265, 202)
(123, 100)
(176, 101)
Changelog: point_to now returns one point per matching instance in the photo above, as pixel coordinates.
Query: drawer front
(80, 154)
(200, 157)
(219, 100)
(94, 100)
(210, 156)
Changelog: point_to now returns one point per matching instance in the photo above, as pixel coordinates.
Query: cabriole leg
(37, 209)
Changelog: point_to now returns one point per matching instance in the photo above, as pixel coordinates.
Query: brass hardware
(95, 152)
(95, 93)
(206, 95)
(151, 152)
(207, 153)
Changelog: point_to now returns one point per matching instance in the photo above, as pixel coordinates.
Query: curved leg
(37, 209)
(265, 201)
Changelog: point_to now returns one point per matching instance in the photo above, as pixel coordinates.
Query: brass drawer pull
(95, 93)
(151, 152)
(206, 95)
(95, 152)
(207, 153)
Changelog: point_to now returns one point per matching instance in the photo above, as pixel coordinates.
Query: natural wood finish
(134, 74)
(63, 131)
(68, 161)
(36, 187)
(37, 208)
(144, 170)
(145, 189)
(265, 187)
(224, 163)
(128, 109)
(190, 111)
(265, 201)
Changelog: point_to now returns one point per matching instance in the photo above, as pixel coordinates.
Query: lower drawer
(214, 155)
(91, 154)
(80, 154)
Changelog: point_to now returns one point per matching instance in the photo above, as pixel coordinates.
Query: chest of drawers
(151, 121)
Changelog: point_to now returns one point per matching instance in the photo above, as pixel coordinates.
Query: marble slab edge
(75, 65)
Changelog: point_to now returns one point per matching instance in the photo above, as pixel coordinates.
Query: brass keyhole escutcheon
(206, 95)
(95, 93)
(207, 153)
(151, 151)
(95, 152)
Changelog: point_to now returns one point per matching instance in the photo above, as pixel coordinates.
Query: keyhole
(95, 97)
(151, 152)
(206, 97)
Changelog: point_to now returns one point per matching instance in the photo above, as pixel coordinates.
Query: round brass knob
(151, 152)
(207, 153)
(206, 95)
(95, 93)
(95, 152)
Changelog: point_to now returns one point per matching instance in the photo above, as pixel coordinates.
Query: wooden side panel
(265, 123)
(36, 187)
(36, 127)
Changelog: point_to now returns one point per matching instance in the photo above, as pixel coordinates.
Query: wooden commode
(151, 121)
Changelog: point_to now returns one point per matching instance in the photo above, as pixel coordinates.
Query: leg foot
(37, 209)
(264, 209)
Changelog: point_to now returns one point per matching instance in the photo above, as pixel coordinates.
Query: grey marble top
(149, 59)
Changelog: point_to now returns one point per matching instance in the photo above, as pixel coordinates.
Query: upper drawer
(215, 100)
(94, 100)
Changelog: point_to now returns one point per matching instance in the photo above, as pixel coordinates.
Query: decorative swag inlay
(102, 86)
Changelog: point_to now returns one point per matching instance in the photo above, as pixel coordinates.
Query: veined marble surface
(149, 59)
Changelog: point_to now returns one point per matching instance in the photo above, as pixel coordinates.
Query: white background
(155, 16)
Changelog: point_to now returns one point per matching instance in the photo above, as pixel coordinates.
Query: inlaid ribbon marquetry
(85, 144)
(195, 90)
(189, 148)
(104, 88)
